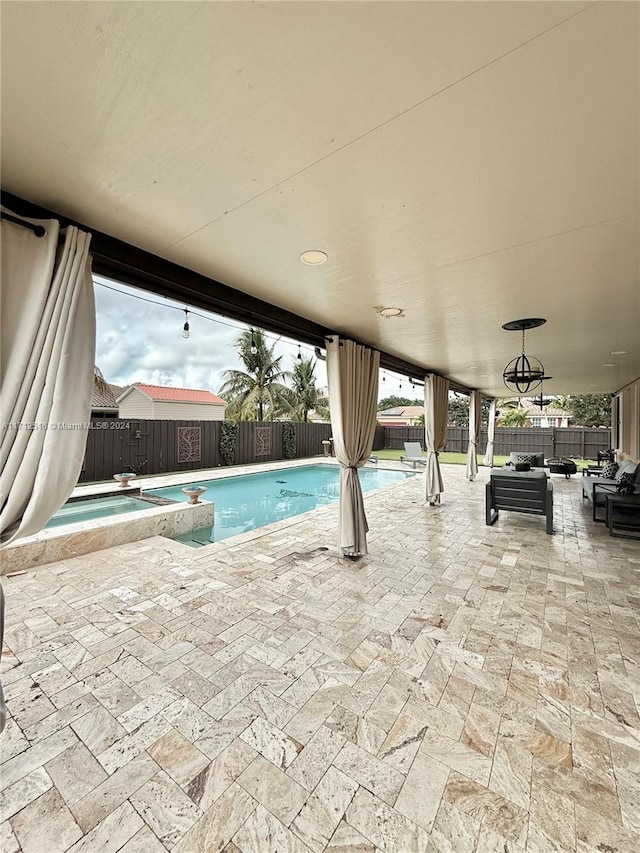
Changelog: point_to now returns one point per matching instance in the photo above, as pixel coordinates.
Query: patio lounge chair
(413, 454)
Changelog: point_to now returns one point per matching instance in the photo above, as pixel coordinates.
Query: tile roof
(106, 399)
(403, 412)
(161, 393)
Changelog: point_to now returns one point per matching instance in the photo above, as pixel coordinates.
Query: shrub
(228, 435)
(289, 445)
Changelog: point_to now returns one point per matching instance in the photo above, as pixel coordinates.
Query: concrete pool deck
(462, 688)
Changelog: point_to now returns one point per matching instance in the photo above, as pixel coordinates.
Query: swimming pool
(92, 508)
(249, 501)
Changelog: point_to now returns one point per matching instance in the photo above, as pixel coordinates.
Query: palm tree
(514, 418)
(258, 392)
(306, 395)
(99, 382)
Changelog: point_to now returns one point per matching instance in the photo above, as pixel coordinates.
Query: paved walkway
(463, 688)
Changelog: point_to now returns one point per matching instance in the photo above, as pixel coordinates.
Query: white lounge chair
(413, 454)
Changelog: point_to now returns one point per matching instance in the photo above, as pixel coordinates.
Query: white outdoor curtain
(475, 417)
(436, 407)
(352, 374)
(491, 433)
(47, 357)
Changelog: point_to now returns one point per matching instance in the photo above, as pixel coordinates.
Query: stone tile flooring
(463, 688)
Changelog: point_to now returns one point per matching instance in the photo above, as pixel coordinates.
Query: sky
(141, 341)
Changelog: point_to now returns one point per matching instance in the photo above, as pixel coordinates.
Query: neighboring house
(157, 402)
(547, 416)
(104, 402)
(401, 416)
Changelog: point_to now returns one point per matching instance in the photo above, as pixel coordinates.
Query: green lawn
(461, 458)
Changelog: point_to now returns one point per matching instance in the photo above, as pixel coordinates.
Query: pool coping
(84, 537)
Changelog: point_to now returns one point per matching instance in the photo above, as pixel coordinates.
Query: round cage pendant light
(525, 372)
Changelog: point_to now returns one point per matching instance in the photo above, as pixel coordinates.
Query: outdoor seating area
(264, 694)
(257, 608)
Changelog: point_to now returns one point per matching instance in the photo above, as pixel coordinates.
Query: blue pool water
(92, 508)
(252, 500)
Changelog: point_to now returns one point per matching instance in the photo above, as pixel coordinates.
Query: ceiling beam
(130, 265)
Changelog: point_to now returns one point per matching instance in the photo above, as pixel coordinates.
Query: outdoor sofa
(596, 489)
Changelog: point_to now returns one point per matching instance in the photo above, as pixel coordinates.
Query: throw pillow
(626, 485)
(522, 466)
(527, 458)
(609, 471)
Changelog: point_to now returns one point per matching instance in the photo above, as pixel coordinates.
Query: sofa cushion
(609, 470)
(510, 472)
(627, 466)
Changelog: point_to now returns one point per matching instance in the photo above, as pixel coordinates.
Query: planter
(194, 492)
(124, 479)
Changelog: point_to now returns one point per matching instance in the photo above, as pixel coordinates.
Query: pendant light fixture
(541, 401)
(525, 372)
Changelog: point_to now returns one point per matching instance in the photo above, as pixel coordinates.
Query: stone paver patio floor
(463, 688)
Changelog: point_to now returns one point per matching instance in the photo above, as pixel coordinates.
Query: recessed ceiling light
(390, 312)
(314, 257)
(619, 352)
(608, 365)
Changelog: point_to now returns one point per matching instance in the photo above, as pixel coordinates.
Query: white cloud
(141, 341)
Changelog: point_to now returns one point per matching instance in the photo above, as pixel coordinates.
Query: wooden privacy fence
(158, 447)
(582, 442)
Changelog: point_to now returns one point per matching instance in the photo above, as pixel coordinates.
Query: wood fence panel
(581, 442)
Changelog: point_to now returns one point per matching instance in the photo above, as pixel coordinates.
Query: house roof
(164, 394)
(402, 412)
(547, 410)
(107, 398)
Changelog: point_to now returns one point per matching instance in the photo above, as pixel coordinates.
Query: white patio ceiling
(471, 163)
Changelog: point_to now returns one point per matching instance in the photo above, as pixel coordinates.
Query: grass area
(461, 458)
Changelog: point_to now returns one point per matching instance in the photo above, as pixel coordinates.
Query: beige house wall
(629, 401)
(188, 411)
(136, 405)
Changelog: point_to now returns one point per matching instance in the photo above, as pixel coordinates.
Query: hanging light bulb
(299, 356)
(185, 328)
(254, 348)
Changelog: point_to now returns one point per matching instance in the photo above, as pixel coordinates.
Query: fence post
(582, 444)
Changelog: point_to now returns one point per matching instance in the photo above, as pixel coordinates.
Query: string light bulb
(384, 376)
(299, 356)
(185, 328)
(254, 348)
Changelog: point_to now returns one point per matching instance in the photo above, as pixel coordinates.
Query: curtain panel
(491, 434)
(352, 374)
(47, 357)
(475, 417)
(436, 407)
